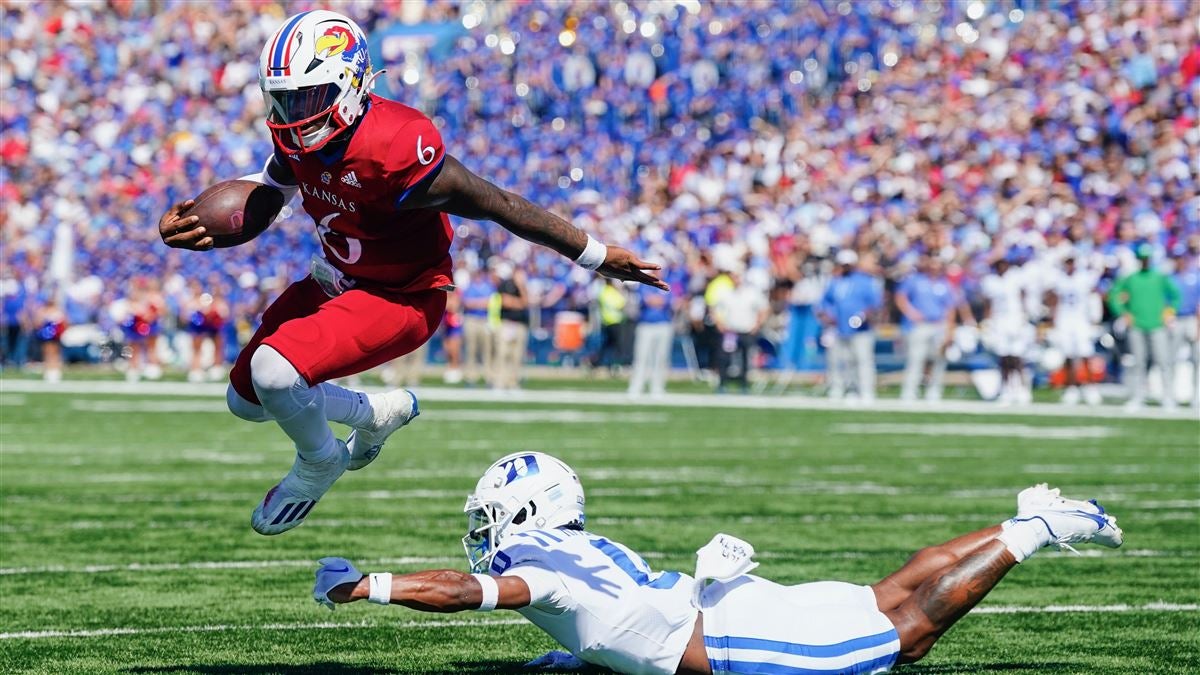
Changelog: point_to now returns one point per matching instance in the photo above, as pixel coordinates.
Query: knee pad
(271, 373)
(280, 388)
(251, 412)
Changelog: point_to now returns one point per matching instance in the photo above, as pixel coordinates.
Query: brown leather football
(233, 212)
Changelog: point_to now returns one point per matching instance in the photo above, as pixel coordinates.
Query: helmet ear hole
(520, 517)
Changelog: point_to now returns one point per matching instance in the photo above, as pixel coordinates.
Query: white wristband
(593, 255)
(381, 588)
(491, 592)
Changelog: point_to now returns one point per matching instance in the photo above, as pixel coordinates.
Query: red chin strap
(284, 134)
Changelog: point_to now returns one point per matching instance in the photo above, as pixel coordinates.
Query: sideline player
(376, 179)
(601, 601)
(1072, 295)
(1007, 331)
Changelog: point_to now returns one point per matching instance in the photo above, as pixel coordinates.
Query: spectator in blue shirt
(652, 342)
(15, 319)
(927, 302)
(846, 310)
(808, 284)
(1186, 331)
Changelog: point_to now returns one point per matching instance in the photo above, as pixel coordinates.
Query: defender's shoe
(393, 410)
(293, 498)
(1069, 521)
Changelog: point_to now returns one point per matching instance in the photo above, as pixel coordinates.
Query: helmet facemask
(485, 527)
(305, 119)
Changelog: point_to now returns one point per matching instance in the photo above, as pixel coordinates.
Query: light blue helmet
(522, 491)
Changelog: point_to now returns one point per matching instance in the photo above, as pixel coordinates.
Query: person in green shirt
(1147, 301)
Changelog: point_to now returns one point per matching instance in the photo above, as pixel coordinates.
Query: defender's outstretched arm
(454, 189)
(428, 591)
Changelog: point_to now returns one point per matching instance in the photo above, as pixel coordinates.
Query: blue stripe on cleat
(282, 514)
(301, 516)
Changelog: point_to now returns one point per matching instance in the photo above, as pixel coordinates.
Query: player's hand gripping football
(336, 579)
(179, 231)
(623, 264)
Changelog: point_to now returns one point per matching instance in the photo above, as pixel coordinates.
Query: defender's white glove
(332, 573)
(556, 660)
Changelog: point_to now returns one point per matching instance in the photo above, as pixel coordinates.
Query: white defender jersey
(1074, 297)
(600, 600)
(1004, 295)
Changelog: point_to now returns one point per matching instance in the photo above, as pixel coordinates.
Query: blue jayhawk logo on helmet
(520, 467)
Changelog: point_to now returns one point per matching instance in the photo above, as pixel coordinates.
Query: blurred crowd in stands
(815, 177)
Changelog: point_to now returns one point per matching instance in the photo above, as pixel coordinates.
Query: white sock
(347, 406)
(1024, 537)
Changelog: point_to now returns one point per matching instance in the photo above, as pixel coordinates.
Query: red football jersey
(354, 190)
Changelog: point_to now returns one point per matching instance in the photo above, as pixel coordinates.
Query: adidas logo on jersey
(351, 180)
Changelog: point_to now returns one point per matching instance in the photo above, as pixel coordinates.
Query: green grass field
(125, 544)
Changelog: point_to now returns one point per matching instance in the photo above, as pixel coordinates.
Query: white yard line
(1087, 609)
(445, 560)
(487, 416)
(607, 398)
(1152, 607)
(1069, 433)
(213, 628)
(210, 565)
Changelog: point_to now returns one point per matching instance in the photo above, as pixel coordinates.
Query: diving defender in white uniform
(600, 600)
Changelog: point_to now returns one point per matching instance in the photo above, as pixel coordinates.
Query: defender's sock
(1024, 537)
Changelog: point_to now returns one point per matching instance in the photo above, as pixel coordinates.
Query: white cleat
(393, 410)
(293, 498)
(1069, 521)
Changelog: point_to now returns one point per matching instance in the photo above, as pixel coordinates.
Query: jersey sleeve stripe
(433, 169)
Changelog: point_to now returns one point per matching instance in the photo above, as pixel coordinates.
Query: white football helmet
(315, 74)
(523, 491)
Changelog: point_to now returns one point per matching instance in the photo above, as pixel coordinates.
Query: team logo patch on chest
(326, 177)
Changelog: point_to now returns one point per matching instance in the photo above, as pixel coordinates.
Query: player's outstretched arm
(429, 591)
(458, 191)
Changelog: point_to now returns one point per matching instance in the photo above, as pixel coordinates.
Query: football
(235, 211)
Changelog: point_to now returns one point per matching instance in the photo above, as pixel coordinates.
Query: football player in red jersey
(375, 177)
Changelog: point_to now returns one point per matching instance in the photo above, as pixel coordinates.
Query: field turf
(125, 544)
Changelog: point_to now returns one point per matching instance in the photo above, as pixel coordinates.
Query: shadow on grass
(941, 668)
(496, 667)
(330, 668)
(509, 667)
(323, 668)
